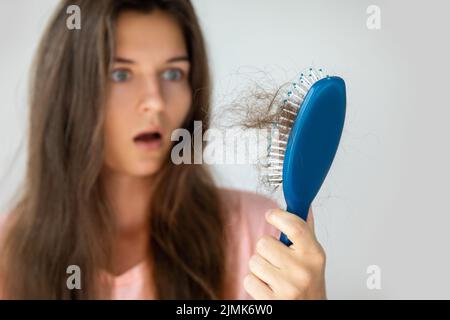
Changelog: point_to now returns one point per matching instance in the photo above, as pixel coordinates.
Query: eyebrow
(171, 60)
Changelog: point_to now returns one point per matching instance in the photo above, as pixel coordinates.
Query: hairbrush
(307, 132)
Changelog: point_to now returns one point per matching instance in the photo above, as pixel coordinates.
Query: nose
(151, 97)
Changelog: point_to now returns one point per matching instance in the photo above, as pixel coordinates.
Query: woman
(102, 193)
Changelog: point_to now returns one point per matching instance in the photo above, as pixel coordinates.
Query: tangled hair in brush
(256, 107)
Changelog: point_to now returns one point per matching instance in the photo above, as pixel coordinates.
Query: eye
(120, 75)
(173, 75)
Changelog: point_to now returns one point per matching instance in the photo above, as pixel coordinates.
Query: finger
(257, 288)
(268, 273)
(293, 226)
(273, 251)
(264, 270)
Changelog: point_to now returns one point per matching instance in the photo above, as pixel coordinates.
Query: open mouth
(149, 140)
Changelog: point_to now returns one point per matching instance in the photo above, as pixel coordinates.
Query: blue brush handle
(312, 145)
(285, 240)
(302, 213)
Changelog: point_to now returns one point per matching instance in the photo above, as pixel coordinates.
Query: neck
(130, 199)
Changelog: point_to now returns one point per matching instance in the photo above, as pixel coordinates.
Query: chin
(145, 170)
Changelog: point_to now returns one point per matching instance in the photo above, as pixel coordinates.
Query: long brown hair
(63, 217)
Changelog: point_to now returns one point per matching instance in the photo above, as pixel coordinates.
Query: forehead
(143, 36)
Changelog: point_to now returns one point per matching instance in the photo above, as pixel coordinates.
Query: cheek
(119, 113)
(116, 131)
(178, 106)
(122, 97)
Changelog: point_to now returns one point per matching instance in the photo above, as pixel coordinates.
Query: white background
(385, 201)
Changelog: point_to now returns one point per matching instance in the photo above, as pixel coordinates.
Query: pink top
(246, 225)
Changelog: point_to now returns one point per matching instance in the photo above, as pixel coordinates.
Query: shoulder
(246, 212)
(248, 199)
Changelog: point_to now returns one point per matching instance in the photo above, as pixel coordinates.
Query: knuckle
(321, 256)
(297, 230)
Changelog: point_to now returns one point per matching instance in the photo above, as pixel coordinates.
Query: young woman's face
(149, 93)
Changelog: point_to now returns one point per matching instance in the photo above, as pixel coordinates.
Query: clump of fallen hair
(258, 106)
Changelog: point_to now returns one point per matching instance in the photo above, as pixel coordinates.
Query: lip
(149, 145)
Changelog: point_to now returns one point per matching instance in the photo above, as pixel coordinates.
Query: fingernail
(268, 213)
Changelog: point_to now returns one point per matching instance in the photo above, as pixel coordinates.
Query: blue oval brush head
(312, 144)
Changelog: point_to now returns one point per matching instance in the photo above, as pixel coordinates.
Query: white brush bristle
(288, 111)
